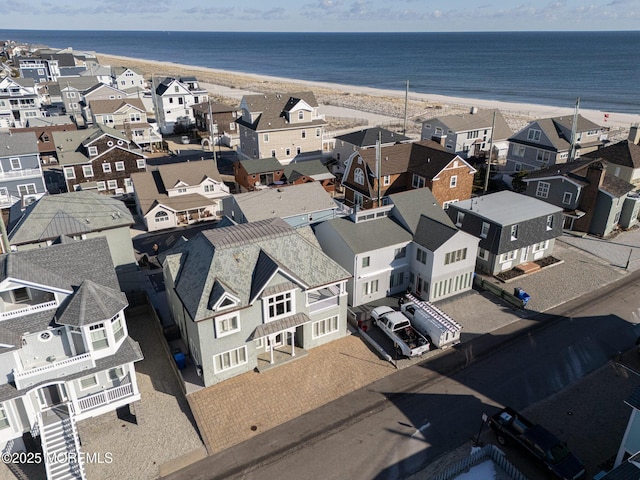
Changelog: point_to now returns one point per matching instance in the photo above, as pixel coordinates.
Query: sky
(321, 15)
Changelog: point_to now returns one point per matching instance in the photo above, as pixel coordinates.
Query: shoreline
(421, 105)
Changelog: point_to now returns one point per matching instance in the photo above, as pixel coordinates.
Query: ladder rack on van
(438, 315)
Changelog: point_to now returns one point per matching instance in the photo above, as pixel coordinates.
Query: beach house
(622, 158)
(410, 244)
(19, 102)
(513, 228)
(252, 296)
(285, 126)
(470, 134)
(21, 178)
(219, 120)
(551, 141)
(369, 178)
(173, 99)
(65, 352)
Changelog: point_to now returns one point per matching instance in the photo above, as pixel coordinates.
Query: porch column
(272, 361)
(293, 343)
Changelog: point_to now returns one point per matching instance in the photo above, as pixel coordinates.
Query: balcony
(53, 369)
(24, 173)
(104, 397)
(324, 298)
(19, 311)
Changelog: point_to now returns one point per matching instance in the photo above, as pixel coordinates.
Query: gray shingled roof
(482, 119)
(371, 235)
(91, 303)
(625, 153)
(432, 234)
(271, 108)
(369, 137)
(261, 165)
(20, 143)
(284, 202)
(236, 258)
(69, 145)
(411, 205)
(112, 106)
(507, 207)
(311, 168)
(550, 128)
(70, 213)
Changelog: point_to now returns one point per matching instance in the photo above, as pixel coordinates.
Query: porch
(195, 215)
(281, 355)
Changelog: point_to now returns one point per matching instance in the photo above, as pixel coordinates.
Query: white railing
(27, 172)
(105, 397)
(322, 304)
(28, 309)
(52, 366)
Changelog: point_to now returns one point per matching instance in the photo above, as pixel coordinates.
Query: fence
(488, 452)
(496, 290)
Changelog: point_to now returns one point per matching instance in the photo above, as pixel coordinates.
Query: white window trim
(266, 300)
(93, 151)
(84, 171)
(328, 326)
(141, 163)
(484, 233)
(69, 173)
(232, 365)
(94, 377)
(106, 167)
(119, 165)
(112, 184)
(219, 321)
(11, 160)
(453, 181)
(542, 189)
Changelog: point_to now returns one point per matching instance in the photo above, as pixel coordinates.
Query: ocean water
(547, 68)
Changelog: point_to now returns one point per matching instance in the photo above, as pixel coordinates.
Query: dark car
(553, 453)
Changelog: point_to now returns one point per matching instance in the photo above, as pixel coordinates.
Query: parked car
(185, 139)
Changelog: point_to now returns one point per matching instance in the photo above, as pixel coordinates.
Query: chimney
(589, 196)
(634, 134)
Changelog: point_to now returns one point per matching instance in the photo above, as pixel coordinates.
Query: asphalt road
(416, 415)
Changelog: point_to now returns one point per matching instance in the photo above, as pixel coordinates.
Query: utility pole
(406, 103)
(378, 165)
(5, 237)
(213, 146)
(574, 130)
(486, 177)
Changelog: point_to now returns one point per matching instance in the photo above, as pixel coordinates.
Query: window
(303, 134)
(417, 181)
(180, 101)
(209, 188)
(298, 150)
(400, 252)
(273, 153)
(231, 359)
(549, 222)
(421, 255)
(227, 325)
(112, 184)
(318, 132)
(485, 229)
(543, 156)
(542, 190)
(69, 173)
(358, 176)
(87, 171)
(161, 216)
(88, 382)
(279, 305)
(117, 327)
(106, 167)
(455, 256)
(116, 373)
(518, 150)
(140, 162)
(107, 119)
(566, 198)
(300, 115)
(101, 186)
(369, 288)
(71, 94)
(135, 117)
(366, 261)
(28, 189)
(459, 219)
(508, 256)
(386, 180)
(20, 295)
(325, 327)
(182, 190)
(15, 163)
(483, 254)
(453, 181)
(473, 134)
(265, 138)
(119, 166)
(93, 151)
(514, 232)
(396, 279)
(540, 246)
(98, 336)
(533, 134)
(287, 152)
(4, 421)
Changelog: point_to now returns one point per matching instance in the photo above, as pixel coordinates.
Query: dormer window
(98, 336)
(301, 115)
(358, 176)
(93, 151)
(20, 295)
(533, 135)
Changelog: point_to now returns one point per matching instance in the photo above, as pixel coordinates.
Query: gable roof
(112, 106)
(624, 153)
(82, 84)
(284, 202)
(554, 129)
(368, 137)
(151, 187)
(410, 206)
(271, 108)
(369, 235)
(70, 144)
(432, 234)
(577, 172)
(241, 259)
(68, 214)
(310, 168)
(481, 119)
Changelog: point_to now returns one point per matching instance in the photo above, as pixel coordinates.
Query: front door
(525, 255)
(51, 395)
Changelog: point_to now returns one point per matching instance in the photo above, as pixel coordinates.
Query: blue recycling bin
(522, 295)
(180, 359)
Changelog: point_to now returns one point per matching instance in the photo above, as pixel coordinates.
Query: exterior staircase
(60, 445)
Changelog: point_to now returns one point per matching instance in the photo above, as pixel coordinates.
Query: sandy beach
(229, 87)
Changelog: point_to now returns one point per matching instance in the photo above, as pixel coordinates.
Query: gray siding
(557, 188)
